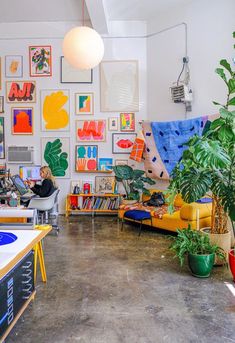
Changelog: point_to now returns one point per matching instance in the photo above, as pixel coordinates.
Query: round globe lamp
(83, 47)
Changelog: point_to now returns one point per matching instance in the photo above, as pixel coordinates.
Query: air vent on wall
(20, 154)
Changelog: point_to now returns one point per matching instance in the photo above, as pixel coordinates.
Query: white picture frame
(119, 85)
(68, 74)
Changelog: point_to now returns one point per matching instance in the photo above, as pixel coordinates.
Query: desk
(17, 217)
(11, 255)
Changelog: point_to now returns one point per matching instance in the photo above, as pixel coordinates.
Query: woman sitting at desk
(48, 184)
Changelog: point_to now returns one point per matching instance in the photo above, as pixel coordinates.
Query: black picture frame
(68, 74)
(125, 137)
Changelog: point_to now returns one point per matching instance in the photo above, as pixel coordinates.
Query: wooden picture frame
(84, 103)
(105, 164)
(127, 122)
(104, 184)
(69, 74)
(91, 130)
(40, 60)
(86, 157)
(2, 138)
(121, 162)
(22, 120)
(122, 143)
(1, 104)
(20, 91)
(13, 66)
(113, 123)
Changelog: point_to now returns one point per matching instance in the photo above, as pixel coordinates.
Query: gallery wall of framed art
(45, 103)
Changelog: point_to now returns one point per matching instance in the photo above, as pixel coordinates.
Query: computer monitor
(30, 173)
(19, 184)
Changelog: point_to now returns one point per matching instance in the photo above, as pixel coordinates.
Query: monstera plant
(55, 158)
(133, 181)
(208, 164)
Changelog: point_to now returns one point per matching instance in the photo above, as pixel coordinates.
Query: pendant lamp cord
(83, 21)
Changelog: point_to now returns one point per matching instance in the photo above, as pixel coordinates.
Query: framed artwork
(14, 66)
(104, 184)
(119, 86)
(121, 162)
(2, 138)
(56, 154)
(105, 164)
(0, 74)
(84, 103)
(20, 91)
(86, 157)
(55, 110)
(91, 130)
(123, 142)
(22, 120)
(40, 61)
(1, 104)
(69, 74)
(127, 122)
(113, 124)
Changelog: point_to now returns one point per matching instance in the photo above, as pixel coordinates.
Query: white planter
(222, 240)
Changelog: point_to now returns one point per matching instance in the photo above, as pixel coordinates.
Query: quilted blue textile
(170, 136)
(137, 215)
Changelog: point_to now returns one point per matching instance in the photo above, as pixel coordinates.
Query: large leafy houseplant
(207, 166)
(133, 181)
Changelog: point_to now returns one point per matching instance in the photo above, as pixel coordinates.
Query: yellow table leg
(38, 253)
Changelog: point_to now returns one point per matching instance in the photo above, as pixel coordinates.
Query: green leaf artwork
(55, 158)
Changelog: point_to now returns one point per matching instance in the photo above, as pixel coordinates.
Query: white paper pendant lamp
(83, 47)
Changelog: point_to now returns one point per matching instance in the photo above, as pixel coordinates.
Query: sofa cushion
(189, 211)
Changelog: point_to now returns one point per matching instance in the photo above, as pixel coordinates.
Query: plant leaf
(227, 66)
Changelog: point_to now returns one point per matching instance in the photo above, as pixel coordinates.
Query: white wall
(15, 40)
(210, 25)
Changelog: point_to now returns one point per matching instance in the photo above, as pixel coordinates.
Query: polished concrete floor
(111, 286)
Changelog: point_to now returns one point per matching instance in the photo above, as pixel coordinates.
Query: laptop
(24, 191)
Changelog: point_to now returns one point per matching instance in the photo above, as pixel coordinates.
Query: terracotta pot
(223, 240)
(231, 258)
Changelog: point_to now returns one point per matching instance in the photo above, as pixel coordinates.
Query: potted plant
(133, 181)
(197, 247)
(231, 258)
(207, 166)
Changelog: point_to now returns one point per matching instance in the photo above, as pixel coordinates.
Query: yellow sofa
(180, 219)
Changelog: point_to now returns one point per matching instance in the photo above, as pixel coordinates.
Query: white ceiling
(42, 10)
(71, 10)
(139, 9)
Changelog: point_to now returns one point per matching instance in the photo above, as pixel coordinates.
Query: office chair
(47, 209)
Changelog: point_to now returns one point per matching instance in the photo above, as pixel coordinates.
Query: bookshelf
(92, 203)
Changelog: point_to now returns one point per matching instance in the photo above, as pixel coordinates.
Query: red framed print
(20, 91)
(22, 120)
(91, 130)
(40, 62)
